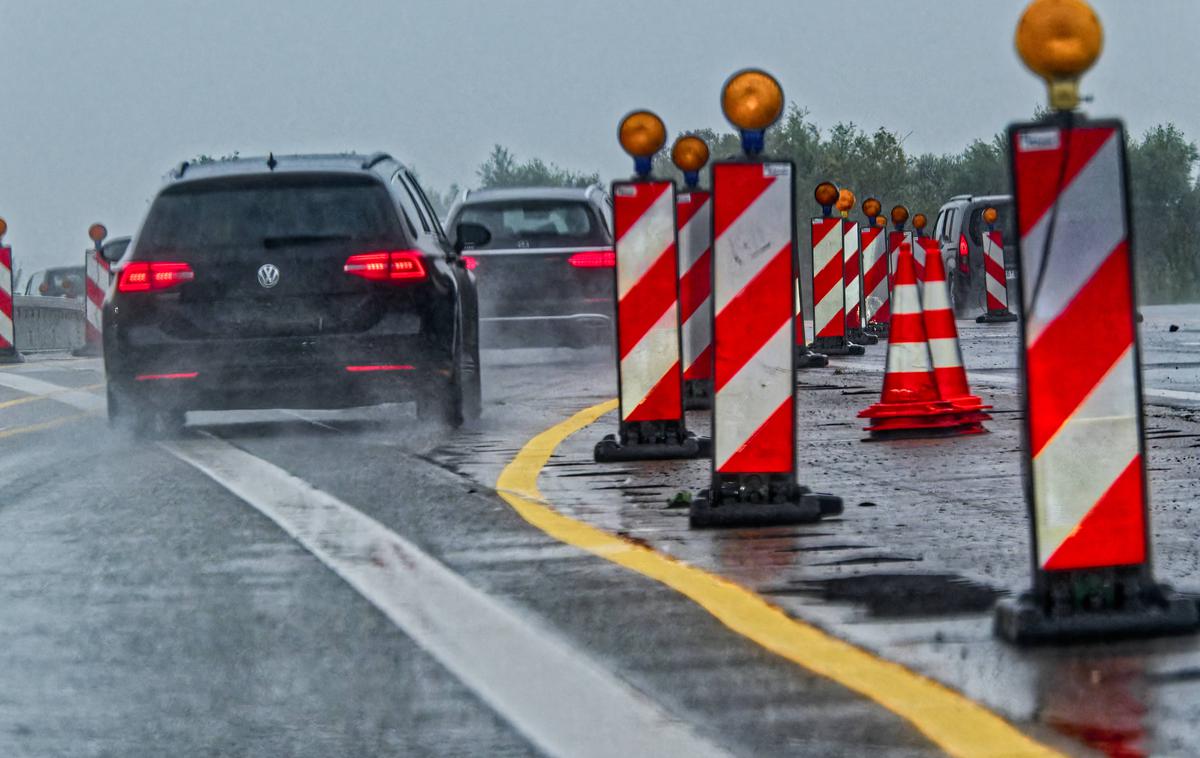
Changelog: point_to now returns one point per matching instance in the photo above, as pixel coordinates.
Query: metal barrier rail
(47, 323)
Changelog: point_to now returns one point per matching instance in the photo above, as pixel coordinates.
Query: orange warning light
(990, 215)
(871, 207)
(919, 221)
(899, 215)
(826, 194)
(1059, 40)
(845, 201)
(690, 153)
(880, 221)
(642, 134)
(3, 227)
(97, 233)
(752, 99)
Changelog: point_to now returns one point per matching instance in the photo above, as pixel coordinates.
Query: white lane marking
(84, 401)
(562, 701)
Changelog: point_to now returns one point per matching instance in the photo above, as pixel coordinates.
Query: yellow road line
(52, 424)
(955, 723)
(49, 395)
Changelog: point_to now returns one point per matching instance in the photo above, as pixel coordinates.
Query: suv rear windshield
(536, 223)
(258, 211)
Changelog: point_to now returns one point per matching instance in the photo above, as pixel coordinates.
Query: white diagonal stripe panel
(850, 243)
(1090, 224)
(697, 333)
(693, 237)
(6, 328)
(644, 242)
(750, 397)
(1083, 459)
(826, 250)
(752, 241)
(997, 289)
(649, 361)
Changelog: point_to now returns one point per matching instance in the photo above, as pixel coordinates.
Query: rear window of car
(256, 211)
(535, 223)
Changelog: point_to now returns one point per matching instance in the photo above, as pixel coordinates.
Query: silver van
(959, 231)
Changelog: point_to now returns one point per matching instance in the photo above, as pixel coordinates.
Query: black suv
(308, 281)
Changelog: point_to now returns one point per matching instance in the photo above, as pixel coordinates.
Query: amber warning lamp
(899, 217)
(1059, 40)
(690, 154)
(3, 228)
(919, 222)
(642, 134)
(826, 195)
(845, 202)
(871, 208)
(752, 100)
(97, 233)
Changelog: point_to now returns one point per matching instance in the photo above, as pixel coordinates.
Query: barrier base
(744, 500)
(651, 441)
(861, 337)
(837, 346)
(806, 358)
(997, 317)
(697, 394)
(12, 357)
(1156, 611)
(89, 350)
(879, 330)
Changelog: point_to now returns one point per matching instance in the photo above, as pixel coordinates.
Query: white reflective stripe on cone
(906, 357)
(944, 353)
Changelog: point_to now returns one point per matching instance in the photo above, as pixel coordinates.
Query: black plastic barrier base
(806, 358)
(997, 317)
(697, 394)
(651, 441)
(837, 346)
(1153, 610)
(11, 356)
(760, 500)
(879, 330)
(861, 337)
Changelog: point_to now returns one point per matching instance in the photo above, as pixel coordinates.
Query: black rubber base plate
(13, 357)
(996, 317)
(840, 347)
(810, 507)
(1022, 621)
(610, 450)
(697, 394)
(862, 337)
(806, 358)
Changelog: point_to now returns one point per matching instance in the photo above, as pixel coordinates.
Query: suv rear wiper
(304, 239)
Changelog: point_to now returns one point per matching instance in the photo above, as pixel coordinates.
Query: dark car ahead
(959, 229)
(546, 276)
(291, 282)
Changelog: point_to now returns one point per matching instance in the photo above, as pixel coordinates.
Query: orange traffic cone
(911, 405)
(948, 370)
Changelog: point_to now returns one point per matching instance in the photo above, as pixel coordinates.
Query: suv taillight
(964, 250)
(394, 266)
(153, 276)
(593, 259)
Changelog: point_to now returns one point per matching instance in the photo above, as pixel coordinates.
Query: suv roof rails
(180, 169)
(375, 159)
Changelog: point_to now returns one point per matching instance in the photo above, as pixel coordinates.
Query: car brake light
(593, 259)
(151, 276)
(471, 262)
(156, 377)
(380, 367)
(963, 252)
(394, 266)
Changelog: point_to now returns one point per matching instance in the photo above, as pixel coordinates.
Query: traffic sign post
(994, 273)
(97, 279)
(828, 265)
(1085, 473)
(754, 260)
(876, 277)
(693, 216)
(649, 367)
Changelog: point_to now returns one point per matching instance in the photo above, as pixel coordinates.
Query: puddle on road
(887, 595)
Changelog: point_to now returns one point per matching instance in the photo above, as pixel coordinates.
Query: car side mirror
(470, 235)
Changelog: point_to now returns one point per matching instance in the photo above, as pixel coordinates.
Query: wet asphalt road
(147, 610)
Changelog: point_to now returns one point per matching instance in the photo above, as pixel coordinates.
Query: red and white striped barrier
(1083, 399)
(649, 368)
(829, 293)
(898, 239)
(693, 215)
(852, 283)
(8, 334)
(754, 420)
(99, 279)
(995, 280)
(876, 278)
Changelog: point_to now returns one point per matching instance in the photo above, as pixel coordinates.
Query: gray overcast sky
(99, 99)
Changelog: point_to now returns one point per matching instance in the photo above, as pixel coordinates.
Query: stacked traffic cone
(944, 352)
(911, 405)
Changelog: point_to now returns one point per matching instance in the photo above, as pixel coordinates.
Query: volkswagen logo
(268, 275)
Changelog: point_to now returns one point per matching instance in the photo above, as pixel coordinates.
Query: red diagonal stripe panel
(827, 278)
(701, 368)
(635, 206)
(764, 451)
(745, 324)
(646, 301)
(685, 210)
(1037, 171)
(664, 401)
(1113, 531)
(94, 293)
(695, 286)
(994, 269)
(744, 186)
(1077, 349)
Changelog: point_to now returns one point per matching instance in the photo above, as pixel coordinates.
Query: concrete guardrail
(47, 323)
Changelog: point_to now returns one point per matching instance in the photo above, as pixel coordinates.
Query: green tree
(501, 169)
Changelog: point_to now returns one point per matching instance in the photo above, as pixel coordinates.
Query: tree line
(1162, 164)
